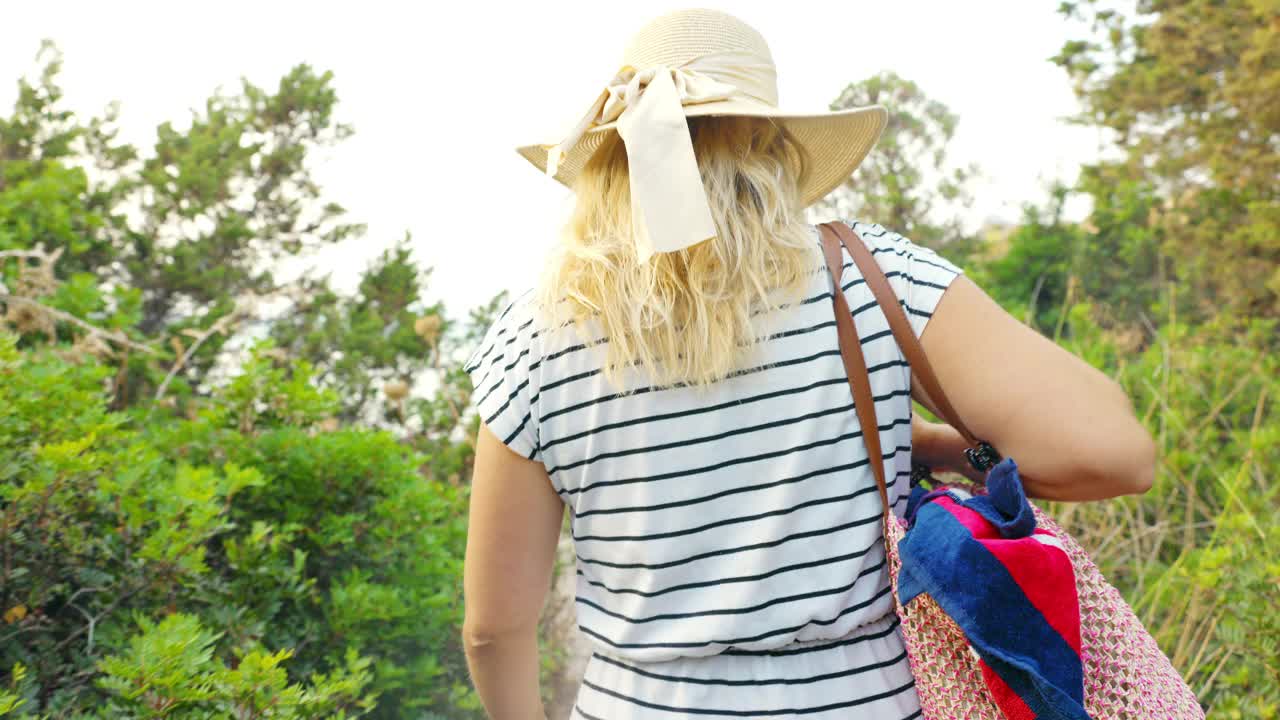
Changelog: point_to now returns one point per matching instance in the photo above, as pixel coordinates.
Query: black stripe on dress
(744, 548)
(880, 665)
(783, 422)
(697, 410)
(742, 641)
(781, 600)
(754, 712)
(741, 578)
(588, 716)
(736, 461)
(724, 493)
(760, 368)
(819, 648)
(727, 521)
(602, 341)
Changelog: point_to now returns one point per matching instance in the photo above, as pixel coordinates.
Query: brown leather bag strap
(855, 365)
(902, 332)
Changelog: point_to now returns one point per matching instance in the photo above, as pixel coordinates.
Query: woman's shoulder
(515, 323)
(918, 275)
(503, 371)
(524, 323)
(890, 247)
(875, 234)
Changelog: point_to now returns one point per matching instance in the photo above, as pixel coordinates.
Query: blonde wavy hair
(687, 317)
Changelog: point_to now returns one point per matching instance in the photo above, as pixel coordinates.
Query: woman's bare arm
(1070, 428)
(513, 527)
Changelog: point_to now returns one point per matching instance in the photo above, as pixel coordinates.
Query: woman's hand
(941, 447)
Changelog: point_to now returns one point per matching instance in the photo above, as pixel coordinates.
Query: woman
(676, 383)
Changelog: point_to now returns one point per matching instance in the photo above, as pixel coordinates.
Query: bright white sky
(441, 93)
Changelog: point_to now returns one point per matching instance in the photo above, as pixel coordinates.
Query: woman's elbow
(1128, 467)
(481, 634)
(476, 638)
(1144, 471)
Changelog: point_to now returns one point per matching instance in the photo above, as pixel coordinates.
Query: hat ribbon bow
(669, 209)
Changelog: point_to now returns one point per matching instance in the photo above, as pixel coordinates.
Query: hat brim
(834, 143)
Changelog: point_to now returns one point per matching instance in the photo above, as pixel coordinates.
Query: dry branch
(218, 326)
(114, 337)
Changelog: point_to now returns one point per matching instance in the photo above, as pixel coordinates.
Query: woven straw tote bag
(1126, 676)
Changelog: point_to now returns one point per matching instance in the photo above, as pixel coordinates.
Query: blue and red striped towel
(1008, 585)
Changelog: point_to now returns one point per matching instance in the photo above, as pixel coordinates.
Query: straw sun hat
(692, 63)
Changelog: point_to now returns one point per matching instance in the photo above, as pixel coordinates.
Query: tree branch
(114, 337)
(220, 325)
(31, 254)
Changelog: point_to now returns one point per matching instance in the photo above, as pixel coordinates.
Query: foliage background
(224, 496)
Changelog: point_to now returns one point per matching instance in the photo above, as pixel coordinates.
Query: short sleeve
(503, 371)
(919, 276)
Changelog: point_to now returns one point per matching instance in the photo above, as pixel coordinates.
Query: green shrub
(171, 670)
(1197, 555)
(158, 566)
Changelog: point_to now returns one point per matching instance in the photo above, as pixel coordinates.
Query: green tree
(194, 227)
(181, 543)
(373, 346)
(1035, 276)
(906, 184)
(1121, 264)
(46, 196)
(230, 195)
(1190, 89)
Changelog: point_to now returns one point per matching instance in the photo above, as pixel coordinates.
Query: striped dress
(729, 554)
